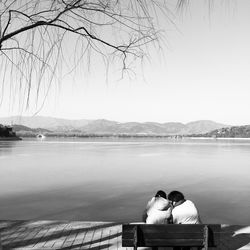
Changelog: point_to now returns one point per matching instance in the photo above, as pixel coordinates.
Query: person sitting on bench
(158, 210)
(184, 211)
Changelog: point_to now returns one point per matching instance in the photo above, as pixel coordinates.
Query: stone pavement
(32, 235)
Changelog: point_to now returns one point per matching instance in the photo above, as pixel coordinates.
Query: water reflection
(7, 146)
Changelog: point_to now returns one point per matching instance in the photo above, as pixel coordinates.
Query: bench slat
(174, 242)
(164, 242)
(167, 235)
(165, 228)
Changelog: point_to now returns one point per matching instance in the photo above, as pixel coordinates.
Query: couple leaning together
(171, 209)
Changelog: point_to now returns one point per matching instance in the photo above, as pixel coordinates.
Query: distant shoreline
(72, 135)
(125, 136)
(220, 138)
(10, 139)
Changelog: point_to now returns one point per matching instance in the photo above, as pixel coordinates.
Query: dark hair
(176, 196)
(161, 193)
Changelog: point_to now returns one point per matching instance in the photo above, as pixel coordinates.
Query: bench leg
(205, 240)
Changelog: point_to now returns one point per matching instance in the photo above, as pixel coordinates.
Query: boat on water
(41, 136)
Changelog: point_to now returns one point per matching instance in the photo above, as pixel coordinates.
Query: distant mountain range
(18, 128)
(41, 124)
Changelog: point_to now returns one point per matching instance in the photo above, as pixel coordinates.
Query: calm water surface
(112, 179)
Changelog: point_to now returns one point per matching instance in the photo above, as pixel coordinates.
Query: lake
(112, 179)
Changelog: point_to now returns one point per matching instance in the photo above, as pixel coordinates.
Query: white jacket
(158, 211)
(186, 213)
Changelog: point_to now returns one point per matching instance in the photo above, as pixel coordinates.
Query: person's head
(161, 193)
(175, 196)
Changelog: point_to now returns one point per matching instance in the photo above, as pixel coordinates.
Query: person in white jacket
(184, 211)
(158, 210)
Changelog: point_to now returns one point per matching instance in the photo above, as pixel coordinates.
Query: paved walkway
(90, 235)
(60, 235)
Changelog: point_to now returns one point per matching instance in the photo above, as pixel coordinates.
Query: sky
(202, 72)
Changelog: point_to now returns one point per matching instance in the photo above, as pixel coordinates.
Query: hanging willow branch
(37, 37)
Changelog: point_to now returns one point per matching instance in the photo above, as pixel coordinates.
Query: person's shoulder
(189, 202)
(150, 202)
(191, 205)
(158, 203)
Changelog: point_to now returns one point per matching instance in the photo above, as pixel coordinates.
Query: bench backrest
(149, 235)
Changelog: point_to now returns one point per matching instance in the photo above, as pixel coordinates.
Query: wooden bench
(149, 235)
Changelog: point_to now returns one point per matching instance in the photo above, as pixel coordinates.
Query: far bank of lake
(10, 138)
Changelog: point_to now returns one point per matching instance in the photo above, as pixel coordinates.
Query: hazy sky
(202, 72)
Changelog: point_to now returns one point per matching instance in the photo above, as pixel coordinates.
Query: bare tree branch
(34, 35)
